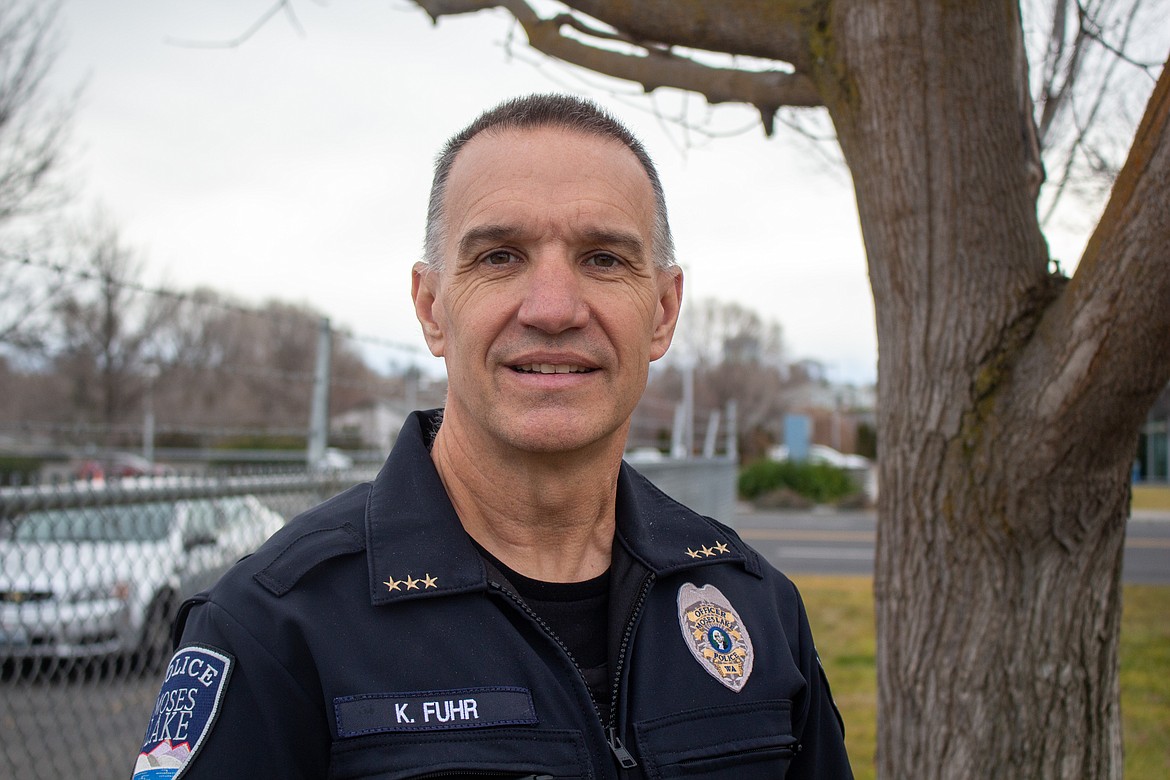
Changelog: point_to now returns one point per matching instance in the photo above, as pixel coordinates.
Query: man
(507, 598)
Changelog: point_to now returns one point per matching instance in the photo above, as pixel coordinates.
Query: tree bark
(1005, 435)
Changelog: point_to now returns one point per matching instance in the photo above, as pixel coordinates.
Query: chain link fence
(90, 577)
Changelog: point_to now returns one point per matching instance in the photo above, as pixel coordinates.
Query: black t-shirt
(578, 614)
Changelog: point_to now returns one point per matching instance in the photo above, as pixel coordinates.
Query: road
(842, 542)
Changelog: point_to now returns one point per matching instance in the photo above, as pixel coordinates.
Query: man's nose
(554, 300)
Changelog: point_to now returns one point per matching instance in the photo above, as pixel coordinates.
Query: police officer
(508, 598)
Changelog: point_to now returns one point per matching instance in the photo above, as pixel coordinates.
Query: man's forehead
(535, 149)
(547, 173)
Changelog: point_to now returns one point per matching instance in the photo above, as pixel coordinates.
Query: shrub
(818, 482)
(18, 470)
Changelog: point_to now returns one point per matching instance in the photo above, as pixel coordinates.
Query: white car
(106, 580)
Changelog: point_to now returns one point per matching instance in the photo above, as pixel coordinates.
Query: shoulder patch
(184, 712)
(306, 552)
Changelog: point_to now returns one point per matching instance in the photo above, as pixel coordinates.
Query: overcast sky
(297, 166)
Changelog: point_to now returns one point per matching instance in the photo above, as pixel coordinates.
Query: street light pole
(152, 373)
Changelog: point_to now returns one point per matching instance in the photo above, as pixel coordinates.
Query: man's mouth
(551, 368)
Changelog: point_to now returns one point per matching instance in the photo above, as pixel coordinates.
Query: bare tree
(32, 126)
(1010, 397)
(1092, 64)
(736, 356)
(228, 364)
(712, 332)
(33, 134)
(107, 330)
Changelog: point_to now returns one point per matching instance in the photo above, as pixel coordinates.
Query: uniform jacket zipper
(624, 758)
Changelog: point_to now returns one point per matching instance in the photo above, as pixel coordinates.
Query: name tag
(462, 708)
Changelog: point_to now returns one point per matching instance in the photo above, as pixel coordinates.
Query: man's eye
(500, 257)
(603, 260)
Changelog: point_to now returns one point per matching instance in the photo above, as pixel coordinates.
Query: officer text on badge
(184, 712)
(715, 635)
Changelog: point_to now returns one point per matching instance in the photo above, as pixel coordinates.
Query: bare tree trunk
(999, 636)
(999, 550)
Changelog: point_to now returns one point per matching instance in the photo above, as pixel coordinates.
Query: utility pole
(732, 431)
(319, 415)
(152, 372)
(682, 440)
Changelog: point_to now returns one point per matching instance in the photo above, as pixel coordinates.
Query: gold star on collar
(719, 548)
(412, 583)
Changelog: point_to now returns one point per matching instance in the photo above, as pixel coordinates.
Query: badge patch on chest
(715, 635)
(184, 712)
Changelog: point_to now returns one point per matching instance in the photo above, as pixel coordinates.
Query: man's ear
(670, 290)
(424, 282)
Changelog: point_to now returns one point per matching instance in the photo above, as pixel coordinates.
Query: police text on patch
(184, 712)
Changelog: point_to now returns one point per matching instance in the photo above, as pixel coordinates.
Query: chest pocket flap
(486, 753)
(743, 741)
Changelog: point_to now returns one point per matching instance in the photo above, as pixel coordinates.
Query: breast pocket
(744, 741)
(487, 753)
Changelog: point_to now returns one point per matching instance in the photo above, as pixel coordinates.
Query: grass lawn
(841, 612)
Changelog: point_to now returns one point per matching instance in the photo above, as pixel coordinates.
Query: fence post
(712, 432)
(732, 432)
(319, 415)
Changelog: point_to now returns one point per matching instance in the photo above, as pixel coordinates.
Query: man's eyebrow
(629, 244)
(486, 234)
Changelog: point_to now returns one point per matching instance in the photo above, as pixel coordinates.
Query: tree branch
(1102, 346)
(768, 91)
(246, 35)
(772, 30)
(1092, 29)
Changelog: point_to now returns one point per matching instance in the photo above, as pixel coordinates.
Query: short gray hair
(530, 113)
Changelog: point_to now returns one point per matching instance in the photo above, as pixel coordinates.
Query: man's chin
(543, 434)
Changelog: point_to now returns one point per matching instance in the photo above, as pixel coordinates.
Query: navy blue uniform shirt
(369, 639)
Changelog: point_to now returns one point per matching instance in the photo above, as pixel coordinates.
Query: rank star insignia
(412, 583)
(715, 635)
(719, 548)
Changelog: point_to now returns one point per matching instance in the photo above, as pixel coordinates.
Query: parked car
(334, 459)
(106, 580)
(118, 465)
